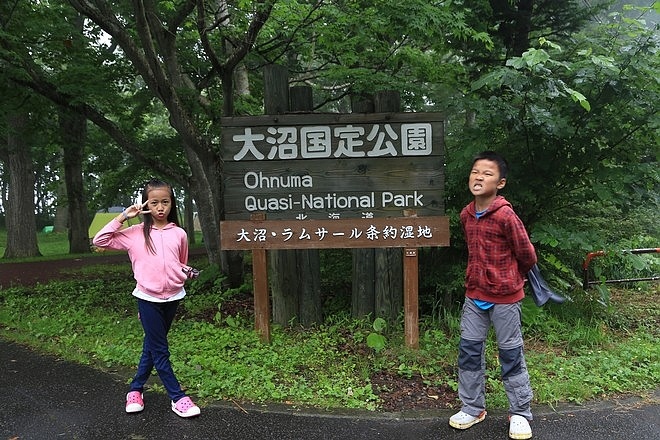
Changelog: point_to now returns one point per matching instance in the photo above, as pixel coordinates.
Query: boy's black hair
(501, 162)
(148, 221)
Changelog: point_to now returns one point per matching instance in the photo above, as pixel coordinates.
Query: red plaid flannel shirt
(499, 253)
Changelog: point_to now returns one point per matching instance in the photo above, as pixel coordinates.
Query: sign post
(260, 287)
(410, 296)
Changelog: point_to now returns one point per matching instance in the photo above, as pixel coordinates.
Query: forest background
(99, 96)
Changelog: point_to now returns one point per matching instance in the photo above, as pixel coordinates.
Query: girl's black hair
(501, 162)
(148, 221)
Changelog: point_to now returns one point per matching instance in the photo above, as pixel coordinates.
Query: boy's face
(485, 178)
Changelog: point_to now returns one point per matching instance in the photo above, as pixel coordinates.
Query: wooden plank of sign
(273, 186)
(232, 126)
(334, 234)
(337, 175)
(433, 206)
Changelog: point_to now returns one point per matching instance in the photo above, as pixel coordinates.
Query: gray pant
(475, 323)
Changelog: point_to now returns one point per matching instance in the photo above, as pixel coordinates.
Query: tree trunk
(189, 217)
(388, 261)
(284, 285)
(363, 297)
(377, 273)
(4, 184)
(364, 274)
(242, 80)
(295, 281)
(309, 286)
(284, 281)
(388, 269)
(73, 129)
(205, 186)
(232, 261)
(522, 27)
(309, 260)
(514, 20)
(20, 217)
(61, 221)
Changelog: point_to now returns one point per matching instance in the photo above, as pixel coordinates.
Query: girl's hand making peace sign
(133, 211)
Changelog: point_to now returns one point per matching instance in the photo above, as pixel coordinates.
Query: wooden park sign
(306, 181)
(300, 166)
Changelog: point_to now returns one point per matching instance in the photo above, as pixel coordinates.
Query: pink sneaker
(185, 407)
(134, 402)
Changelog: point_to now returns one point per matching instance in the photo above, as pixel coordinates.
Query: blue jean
(156, 319)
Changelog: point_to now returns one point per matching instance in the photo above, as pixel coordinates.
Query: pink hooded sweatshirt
(158, 275)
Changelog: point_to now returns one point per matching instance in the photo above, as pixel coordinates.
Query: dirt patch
(398, 393)
(41, 272)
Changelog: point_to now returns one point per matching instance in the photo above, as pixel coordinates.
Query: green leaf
(491, 79)
(379, 324)
(535, 56)
(606, 62)
(545, 42)
(579, 97)
(376, 341)
(516, 62)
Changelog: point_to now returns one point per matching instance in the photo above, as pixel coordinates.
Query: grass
(575, 352)
(53, 246)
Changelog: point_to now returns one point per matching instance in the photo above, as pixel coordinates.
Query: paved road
(43, 398)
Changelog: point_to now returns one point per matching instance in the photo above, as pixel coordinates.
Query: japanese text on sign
(353, 233)
(371, 233)
(320, 142)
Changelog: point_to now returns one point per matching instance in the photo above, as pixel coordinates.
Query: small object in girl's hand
(190, 272)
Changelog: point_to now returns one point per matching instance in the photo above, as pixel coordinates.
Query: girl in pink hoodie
(158, 250)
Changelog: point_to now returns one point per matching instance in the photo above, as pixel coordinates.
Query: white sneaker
(519, 428)
(462, 420)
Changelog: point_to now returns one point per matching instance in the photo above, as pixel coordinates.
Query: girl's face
(159, 204)
(485, 179)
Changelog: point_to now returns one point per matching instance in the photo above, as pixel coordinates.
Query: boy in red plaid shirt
(499, 256)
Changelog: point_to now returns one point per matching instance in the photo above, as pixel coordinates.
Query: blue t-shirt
(483, 305)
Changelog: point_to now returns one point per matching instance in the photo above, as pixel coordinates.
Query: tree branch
(48, 90)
